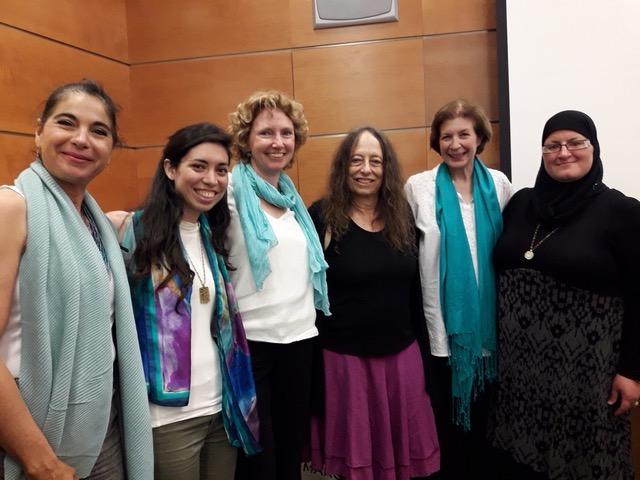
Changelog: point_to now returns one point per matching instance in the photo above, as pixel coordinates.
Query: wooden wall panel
(116, 188)
(170, 95)
(94, 26)
(449, 16)
(316, 156)
(379, 83)
(303, 33)
(174, 29)
(461, 66)
(33, 66)
(16, 153)
(314, 163)
(411, 149)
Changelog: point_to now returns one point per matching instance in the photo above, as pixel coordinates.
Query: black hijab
(556, 202)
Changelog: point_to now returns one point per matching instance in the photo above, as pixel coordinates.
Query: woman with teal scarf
(194, 351)
(279, 276)
(457, 207)
(72, 397)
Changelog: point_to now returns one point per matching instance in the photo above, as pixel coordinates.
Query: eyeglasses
(571, 146)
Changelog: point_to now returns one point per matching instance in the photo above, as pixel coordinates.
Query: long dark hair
(163, 209)
(393, 208)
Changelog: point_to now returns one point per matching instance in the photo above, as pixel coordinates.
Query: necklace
(528, 255)
(203, 291)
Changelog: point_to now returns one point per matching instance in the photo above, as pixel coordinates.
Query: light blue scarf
(248, 189)
(468, 306)
(66, 373)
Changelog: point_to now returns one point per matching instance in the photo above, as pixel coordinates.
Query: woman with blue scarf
(457, 207)
(72, 396)
(194, 351)
(279, 276)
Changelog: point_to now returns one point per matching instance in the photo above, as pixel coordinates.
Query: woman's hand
(627, 391)
(55, 469)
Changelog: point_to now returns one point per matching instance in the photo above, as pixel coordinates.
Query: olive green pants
(193, 449)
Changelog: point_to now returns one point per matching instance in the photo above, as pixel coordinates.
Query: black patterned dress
(568, 323)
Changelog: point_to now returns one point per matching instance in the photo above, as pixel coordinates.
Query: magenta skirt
(378, 422)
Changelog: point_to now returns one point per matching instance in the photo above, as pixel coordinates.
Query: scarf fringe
(484, 371)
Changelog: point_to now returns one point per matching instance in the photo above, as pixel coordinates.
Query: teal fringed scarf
(164, 331)
(248, 189)
(66, 373)
(468, 306)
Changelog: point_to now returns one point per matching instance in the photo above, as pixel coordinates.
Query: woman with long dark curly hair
(195, 355)
(376, 422)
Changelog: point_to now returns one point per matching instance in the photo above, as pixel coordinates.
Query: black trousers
(282, 374)
(463, 455)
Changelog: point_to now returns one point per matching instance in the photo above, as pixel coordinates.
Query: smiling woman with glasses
(569, 303)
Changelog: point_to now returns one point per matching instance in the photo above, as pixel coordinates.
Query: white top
(205, 394)
(11, 338)
(420, 190)
(283, 311)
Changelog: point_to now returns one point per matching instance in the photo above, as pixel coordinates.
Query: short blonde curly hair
(242, 119)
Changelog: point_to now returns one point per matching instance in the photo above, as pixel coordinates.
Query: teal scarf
(468, 306)
(248, 189)
(163, 320)
(66, 373)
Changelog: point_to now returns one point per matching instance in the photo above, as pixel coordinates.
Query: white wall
(581, 55)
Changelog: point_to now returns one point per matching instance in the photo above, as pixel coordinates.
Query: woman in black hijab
(569, 316)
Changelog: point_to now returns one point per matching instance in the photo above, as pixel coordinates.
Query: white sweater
(420, 190)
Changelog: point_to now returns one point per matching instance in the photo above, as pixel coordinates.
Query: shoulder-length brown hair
(393, 208)
(465, 109)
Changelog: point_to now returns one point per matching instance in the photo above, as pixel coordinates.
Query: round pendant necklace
(528, 255)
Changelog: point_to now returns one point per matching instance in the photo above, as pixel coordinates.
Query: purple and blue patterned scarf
(163, 321)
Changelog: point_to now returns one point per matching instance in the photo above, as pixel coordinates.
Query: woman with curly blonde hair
(279, 277)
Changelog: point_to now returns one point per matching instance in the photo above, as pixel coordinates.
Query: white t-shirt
(283, 311)
(205, 394)
(420, 190)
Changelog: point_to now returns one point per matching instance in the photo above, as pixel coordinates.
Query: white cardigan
(420, 190)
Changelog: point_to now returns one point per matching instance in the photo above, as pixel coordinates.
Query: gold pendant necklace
(203, 291)
(528, 255)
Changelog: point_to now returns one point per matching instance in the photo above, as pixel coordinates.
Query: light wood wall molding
(32, 66)
(303, 34)
(94, 26)
(450, 16)
(170, 95)
(378, 83)
(461, 66)
(175, 29)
